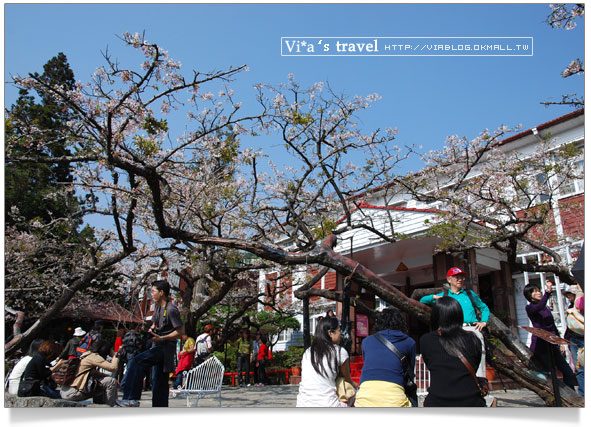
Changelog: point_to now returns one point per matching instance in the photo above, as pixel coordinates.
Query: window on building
(542, 180)
(381, 304)
(574, 186)
(284, 335)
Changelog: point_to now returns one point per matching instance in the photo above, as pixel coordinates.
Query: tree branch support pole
(346, 339)
(306, 314)
(555, 388)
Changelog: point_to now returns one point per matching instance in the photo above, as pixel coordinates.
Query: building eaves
(543, 126)
(359, 206)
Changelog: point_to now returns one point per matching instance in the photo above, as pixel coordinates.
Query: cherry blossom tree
(493, 196)
(565, 16)
(204, 189)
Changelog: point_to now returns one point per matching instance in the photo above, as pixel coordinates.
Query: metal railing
(422, 376)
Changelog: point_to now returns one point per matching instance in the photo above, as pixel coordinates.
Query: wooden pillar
(440, 268)
(473, 271)
(509, 287)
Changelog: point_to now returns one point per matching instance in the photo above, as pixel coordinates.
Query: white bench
(200, 381)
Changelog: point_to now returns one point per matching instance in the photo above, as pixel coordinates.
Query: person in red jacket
(262, 357)
(186, 357)
(119, 339)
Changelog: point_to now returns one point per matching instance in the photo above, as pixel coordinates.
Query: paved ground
(284, 396)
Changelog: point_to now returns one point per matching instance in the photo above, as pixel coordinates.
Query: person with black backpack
(95, 334)
(72, 344)
(131, 345)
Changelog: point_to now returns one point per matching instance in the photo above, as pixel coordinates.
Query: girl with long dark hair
(452, 384)
(321, 364)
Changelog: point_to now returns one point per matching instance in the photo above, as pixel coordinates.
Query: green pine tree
(28, 185)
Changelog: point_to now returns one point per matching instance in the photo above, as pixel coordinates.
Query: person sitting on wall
(321, 364)
(16, 374)
(469, 302)
(89, 381)
(451, 383)
(36, 379)
(383, 373)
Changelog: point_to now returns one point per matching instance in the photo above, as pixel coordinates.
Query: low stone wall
(12, 401)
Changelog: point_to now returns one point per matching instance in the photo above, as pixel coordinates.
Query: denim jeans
(154, 358)
(579, 372)
(179, 379)
(49, 392)
(243, 366)
(262, 374)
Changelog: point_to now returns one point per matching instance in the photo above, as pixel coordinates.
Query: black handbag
(91, 385)
(29, 387)
(410, 387)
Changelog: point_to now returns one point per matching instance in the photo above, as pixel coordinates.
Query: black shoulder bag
(410, 388)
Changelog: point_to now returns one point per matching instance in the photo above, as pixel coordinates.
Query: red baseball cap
(454, 271)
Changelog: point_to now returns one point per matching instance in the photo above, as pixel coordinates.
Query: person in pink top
(575, 332)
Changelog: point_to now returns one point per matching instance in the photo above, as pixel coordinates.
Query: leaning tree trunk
(23, 341)
(533, 380)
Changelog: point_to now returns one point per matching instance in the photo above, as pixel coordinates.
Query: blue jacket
(379, 363)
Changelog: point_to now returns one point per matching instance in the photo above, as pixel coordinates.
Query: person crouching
(89, 381)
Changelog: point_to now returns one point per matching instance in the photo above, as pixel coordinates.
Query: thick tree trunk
(534, 380)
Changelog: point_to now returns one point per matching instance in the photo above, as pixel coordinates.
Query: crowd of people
(454, 353)
(139, 360)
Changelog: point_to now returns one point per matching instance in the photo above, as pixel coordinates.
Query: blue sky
(427, 98)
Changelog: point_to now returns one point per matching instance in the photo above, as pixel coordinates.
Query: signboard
(402, 267)
(545, 335)
(362, 325)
